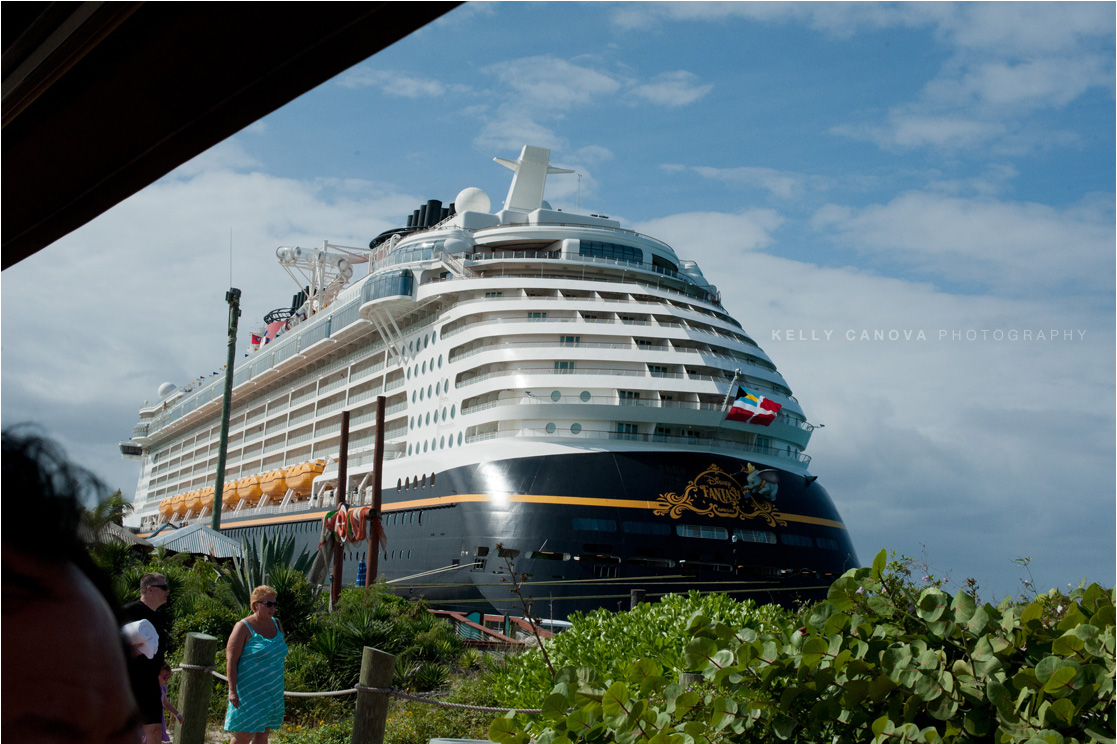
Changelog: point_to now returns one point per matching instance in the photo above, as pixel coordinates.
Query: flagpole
(729, 392)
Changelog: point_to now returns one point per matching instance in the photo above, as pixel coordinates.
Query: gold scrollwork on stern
(715, 493)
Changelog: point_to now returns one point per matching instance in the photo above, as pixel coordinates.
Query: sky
(910, 207)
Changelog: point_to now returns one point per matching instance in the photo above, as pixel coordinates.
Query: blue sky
(838, 170)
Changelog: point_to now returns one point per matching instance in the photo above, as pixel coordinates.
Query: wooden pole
(342, 487)
(196, 688)
(371, 716)
(375, 529)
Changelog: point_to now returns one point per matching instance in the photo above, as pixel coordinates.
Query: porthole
(411, 346)
(443, 414)
(407, 484)
(426, 340)
(459, 437)
(414, 396)
(446, 385)
(409, 449)
(411, 423)
(430, 390)
(433, 441)
(556, 396)
(575, 429)
(424, 370)
(585, 396)
(409, 555)
(432, 486)
(424, 482)
(452, 415)
(399, 485)
(428, 417)
(440, 361)
(424, 446)
(409, 374)
(438, 388)
(442, 442)
(551, 427)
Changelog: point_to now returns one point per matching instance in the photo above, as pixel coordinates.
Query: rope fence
(391, 691)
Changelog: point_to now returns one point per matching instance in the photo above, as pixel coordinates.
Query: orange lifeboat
(205, 495)
(274, 484)
(193, 501)
(230, 494)
(178, 504)
(165, 509)
(301, 477)
(248, 489)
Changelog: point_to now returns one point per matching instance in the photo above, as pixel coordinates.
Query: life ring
(358, 522)
(341, 523)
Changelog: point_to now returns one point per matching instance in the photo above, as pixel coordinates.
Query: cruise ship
(568, 409)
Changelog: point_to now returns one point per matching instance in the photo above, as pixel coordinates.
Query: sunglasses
(160, 586)
(269, 604)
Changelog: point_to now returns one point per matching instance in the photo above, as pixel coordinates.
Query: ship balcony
(590, 438)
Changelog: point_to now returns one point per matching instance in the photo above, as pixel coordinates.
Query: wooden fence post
(371, 717)
(635, 598)
(196, 687)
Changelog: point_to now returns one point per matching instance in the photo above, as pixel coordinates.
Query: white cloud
(677, 88)
(1010, 247)
(909, 130)
(737, 233)
(397, 83)
(510, 129)
(1050, 82)
(783, 184)
(549, 83)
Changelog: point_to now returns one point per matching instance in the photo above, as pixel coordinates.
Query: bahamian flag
(750, 408)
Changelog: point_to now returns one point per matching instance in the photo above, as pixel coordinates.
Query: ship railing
(494, 346)
(612, 400)
(616, 371)
(356, 398)
(690, 442)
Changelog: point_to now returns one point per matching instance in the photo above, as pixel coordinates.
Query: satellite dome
(472, 199)
(166, 389)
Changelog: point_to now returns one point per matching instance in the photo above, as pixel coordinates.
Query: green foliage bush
(609, 642)
(881, 660)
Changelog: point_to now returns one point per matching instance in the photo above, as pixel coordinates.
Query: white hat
(142, 636)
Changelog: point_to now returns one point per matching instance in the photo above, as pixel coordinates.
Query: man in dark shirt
(142, 671)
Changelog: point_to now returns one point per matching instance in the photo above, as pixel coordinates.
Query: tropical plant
(256, 566)
(883, 659)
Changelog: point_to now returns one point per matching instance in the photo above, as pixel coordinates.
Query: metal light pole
(233, 298)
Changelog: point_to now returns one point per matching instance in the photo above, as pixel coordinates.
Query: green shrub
(609, 642)
(883, 659)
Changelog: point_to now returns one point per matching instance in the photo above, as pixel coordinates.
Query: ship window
(438, 388)
(585, 396)
(570, 340)
(549, 556)
(432, 486)
(802, 541)
(550, 427)
(595, 525)
(414, 396)
(604, 572)
(443, 414)
(626, 431)
(575, 428)
(425, 446)
(494, 294)
(421, 393)
(424, 482)
(479, 564)
(409, 374)
(430, 391)
(826, 543)
(537, 316)
(441, 442)
(556, 396)
(705, 532)
(426, 340)
(564, 368)
(459, 437)
(647, 528)
(428, 417)
(755, 536)
(628, 397)
(424, 368)
(611, 250)
(656, 370)
(399, 484)
(440, 361)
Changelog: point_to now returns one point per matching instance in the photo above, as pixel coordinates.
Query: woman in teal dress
(254, 661)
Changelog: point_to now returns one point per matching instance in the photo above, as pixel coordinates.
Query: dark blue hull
(583, 530)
